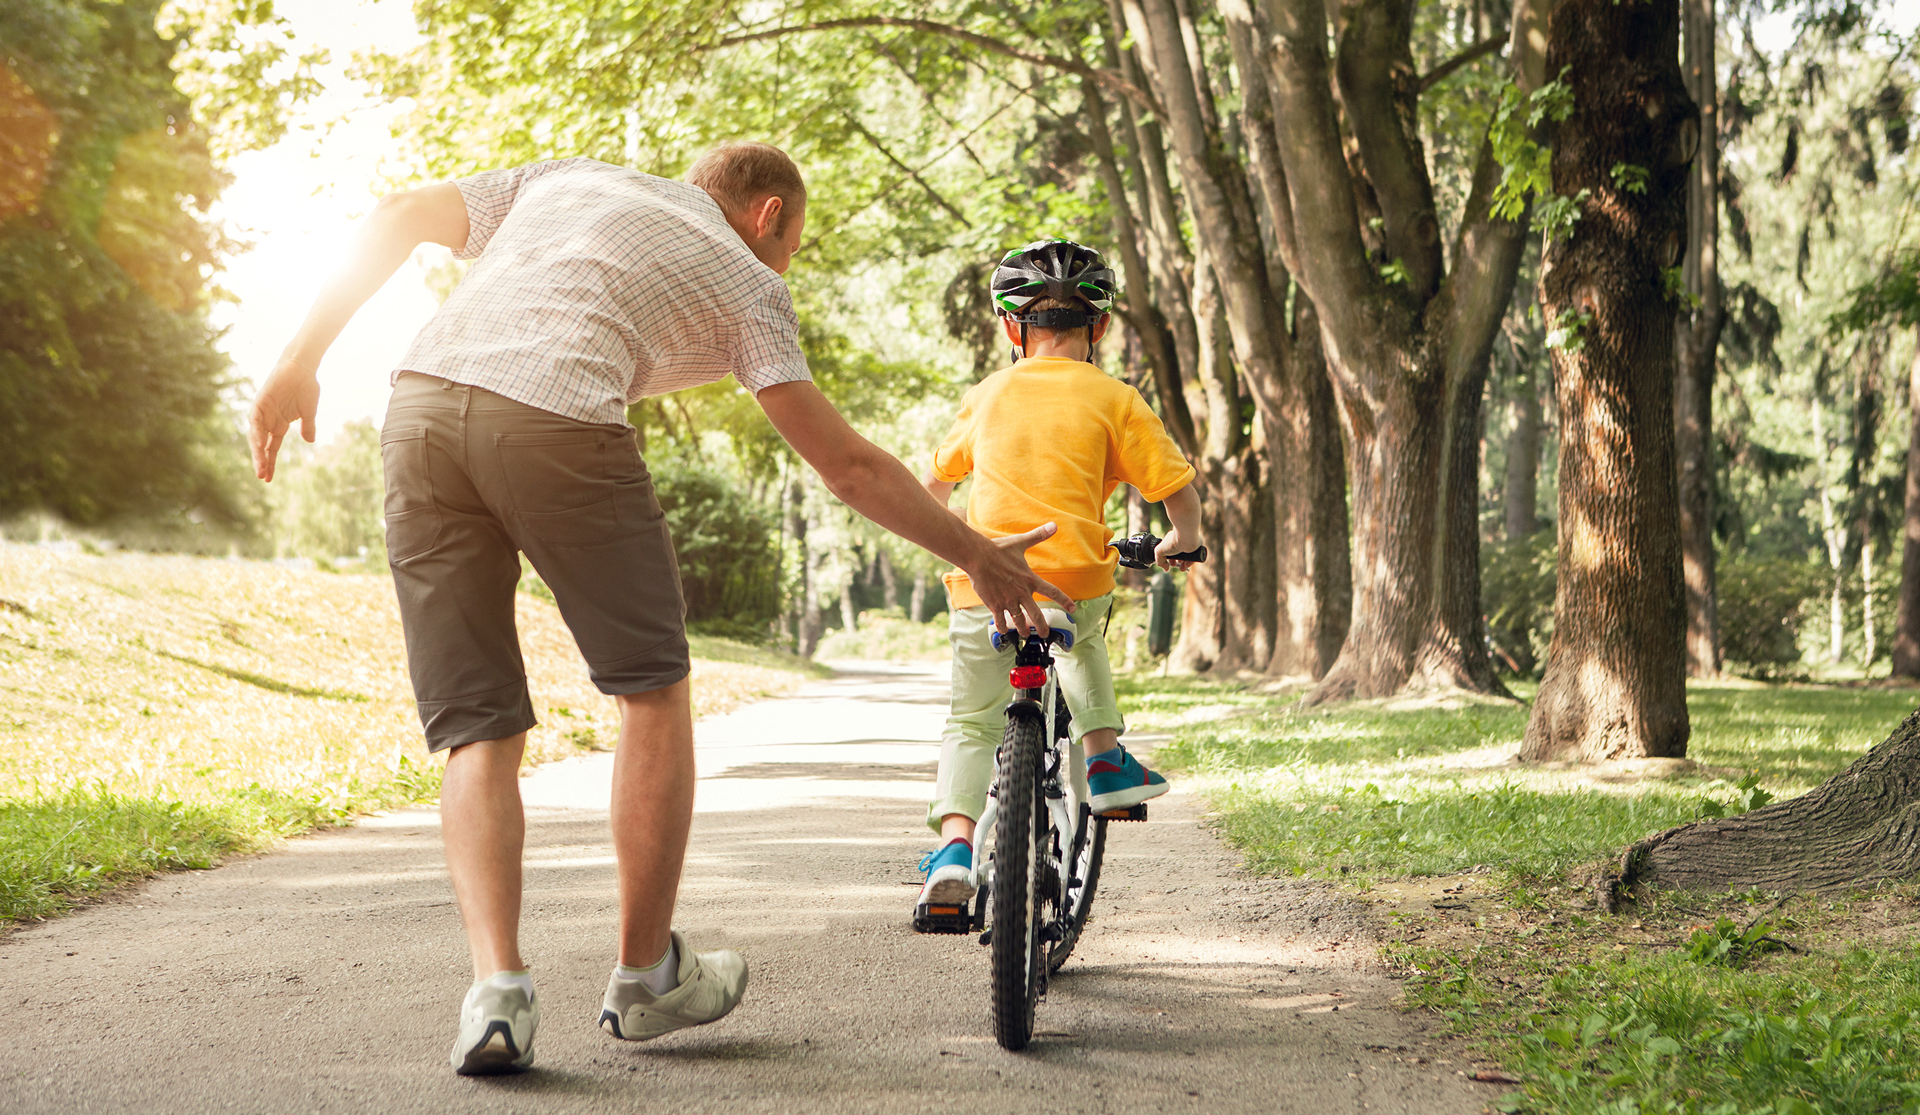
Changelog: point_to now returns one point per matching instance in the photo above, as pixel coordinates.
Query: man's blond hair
(742, 171)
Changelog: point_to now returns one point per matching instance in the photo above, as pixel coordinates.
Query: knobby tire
(1017, 871)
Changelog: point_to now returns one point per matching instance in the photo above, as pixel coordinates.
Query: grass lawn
(160, 712)
(1712, 1005)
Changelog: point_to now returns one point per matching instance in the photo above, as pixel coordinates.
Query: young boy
(1047, 440)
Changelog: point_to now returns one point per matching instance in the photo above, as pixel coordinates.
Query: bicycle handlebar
(1137, 552)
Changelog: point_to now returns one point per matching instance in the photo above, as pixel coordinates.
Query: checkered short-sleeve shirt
(594, 285)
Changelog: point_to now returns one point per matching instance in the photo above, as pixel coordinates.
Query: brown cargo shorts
(474, 479)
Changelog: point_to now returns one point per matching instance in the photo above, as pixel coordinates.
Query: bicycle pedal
(929, 917)
(1133, 813)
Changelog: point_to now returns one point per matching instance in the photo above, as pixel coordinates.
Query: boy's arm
(873, 482)
(942, 493)
(1183, 511)
(399, 224)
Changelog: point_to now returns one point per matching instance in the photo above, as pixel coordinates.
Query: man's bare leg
(485, 829)
(652, 811)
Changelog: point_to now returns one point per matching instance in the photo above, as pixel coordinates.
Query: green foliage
(330, 504)
(1726, 944)
(109, 382)
(1762, 605)
(1516, 596)
(1526, 164)
(235, 63)
(1416, 829)
(1569, 331)
(58, 851)
(1748, 796)
(1668, 1034)
(1394, 271)
(729, 562)
(1629, 178)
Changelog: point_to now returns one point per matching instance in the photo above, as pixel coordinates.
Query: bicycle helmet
(1059, 269)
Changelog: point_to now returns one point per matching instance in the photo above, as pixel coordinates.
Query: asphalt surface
(326, 977)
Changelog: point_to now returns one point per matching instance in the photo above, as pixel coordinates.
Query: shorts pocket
(413, 521)
(581, 487)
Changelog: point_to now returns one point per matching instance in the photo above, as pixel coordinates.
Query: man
(592, 286)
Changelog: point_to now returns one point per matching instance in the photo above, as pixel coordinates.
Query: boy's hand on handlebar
(1006, 584)
(1172, 544)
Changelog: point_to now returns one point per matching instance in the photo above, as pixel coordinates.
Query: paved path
(326, 977)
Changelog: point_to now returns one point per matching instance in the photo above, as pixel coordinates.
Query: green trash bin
(1162, 596)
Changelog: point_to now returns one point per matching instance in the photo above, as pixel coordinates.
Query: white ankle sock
(660, 977)
(522, 979)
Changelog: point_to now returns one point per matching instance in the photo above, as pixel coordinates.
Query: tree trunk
(1407, 350)
(1835, 539)
(1227, 616)
(1520, 495)
(889, 580)
(1857, 829)
(1615, 684)
(1313, 569)
(849, 615)
(1697, 343)
(1906, 613)
(917, 608)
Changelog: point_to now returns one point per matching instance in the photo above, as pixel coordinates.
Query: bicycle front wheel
(1018, 859)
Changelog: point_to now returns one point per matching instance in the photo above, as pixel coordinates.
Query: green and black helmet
(1058, 269)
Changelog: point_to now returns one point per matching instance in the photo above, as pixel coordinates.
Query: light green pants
(981, 692)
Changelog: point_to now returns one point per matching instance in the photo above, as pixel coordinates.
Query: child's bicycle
(1047, 842)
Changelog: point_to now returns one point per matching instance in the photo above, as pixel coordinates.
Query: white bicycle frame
(1065, 809)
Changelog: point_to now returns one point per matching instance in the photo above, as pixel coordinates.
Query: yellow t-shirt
(1048, 440)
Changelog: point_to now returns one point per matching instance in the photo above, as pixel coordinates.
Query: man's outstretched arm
(871, 481)
(398, 225)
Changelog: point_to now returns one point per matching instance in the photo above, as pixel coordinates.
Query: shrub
(727, 546)
(1762, 606)
(1516, 596)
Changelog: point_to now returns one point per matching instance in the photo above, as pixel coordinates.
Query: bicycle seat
(1060, 630)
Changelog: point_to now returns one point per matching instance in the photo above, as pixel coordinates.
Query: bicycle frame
(1063, 802)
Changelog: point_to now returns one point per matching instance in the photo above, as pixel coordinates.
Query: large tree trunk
(1314, 570)
(1697, 344)
(1859, 828)
(1407, 351)
(1615, 684)
(1906, 613)
(1520, 494)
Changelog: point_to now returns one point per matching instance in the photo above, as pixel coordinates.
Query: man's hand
(291, 392)
(1006, 585)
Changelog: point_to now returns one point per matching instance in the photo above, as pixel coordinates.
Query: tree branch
(1461, 61)
(909, 172)
(1375, 70)
(1111, 81)
(1333, 260)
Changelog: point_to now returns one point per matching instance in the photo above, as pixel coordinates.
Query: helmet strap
(1023, 340)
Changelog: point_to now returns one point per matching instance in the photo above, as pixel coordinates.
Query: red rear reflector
(943, 909)
(1028, 677)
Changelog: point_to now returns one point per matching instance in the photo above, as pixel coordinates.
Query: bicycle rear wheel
(1018, 857)
(1083, 878)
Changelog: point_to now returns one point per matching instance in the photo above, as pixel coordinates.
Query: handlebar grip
(1194, 555)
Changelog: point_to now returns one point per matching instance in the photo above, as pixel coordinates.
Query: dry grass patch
(275, 697)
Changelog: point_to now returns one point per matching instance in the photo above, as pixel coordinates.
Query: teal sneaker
(942, 905)
(1118, 781)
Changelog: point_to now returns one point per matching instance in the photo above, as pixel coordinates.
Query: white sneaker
(711, 984)
(497, 1021)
